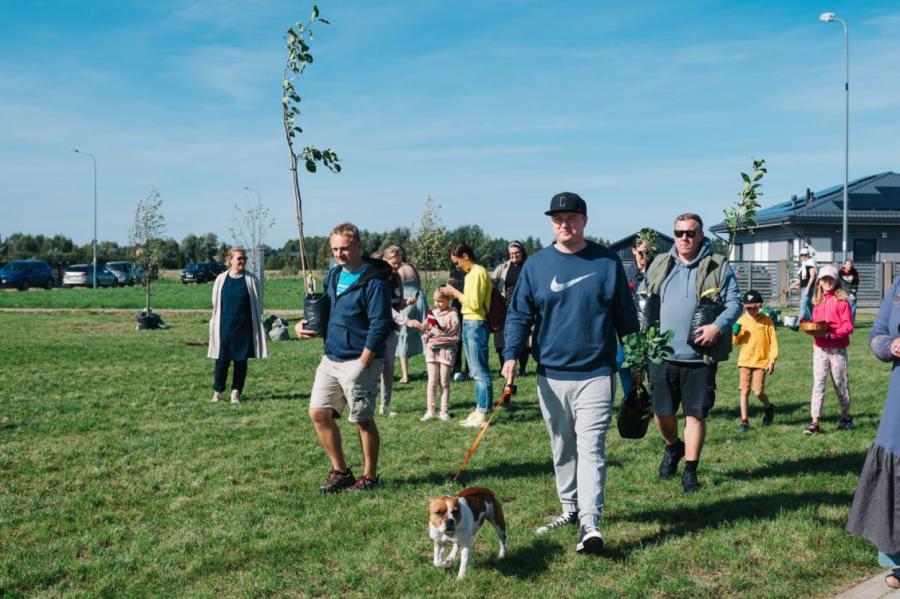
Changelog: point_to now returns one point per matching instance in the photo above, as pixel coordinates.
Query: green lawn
(119, 478)
(280, 294)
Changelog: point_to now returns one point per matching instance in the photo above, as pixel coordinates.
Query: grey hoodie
(679, 298)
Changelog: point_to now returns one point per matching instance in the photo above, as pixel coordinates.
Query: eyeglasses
(241, 258)
(691, 233)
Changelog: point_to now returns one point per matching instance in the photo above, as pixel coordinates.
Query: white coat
(260, 348)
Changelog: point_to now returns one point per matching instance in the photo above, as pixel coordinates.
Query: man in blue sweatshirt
(575, 295)
(680, 278)
(359, 323)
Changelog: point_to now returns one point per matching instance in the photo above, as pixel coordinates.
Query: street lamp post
(829, 17)
(256, 234)
(77, 151)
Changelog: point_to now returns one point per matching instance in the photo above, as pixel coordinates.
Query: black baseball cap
(567, 202)
(752, 297)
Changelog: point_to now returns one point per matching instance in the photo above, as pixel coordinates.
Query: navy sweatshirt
(359, 318)
(577, 304)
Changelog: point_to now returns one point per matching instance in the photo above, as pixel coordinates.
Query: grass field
(119, 478)
(280, 294)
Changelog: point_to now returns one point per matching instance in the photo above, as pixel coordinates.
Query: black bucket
(316, 307)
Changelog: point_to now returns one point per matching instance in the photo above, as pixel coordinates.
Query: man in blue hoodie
(359, 323)
(575, 295)
(688, 274)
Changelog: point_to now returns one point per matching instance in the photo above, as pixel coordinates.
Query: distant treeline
(60, 250)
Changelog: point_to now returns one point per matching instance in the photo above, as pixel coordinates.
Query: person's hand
(707, 335)
(303, 333)
(450, 290)
(770, 369)
(509, 370)
(410, 301)
(415, 324)
(895, 348)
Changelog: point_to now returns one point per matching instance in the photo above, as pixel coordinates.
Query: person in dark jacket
(575, 296)
(359, 324)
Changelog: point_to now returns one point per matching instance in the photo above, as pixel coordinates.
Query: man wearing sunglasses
(679, 279)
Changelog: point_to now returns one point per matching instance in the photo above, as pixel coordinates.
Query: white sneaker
(590, 541)
(217, 397)
(235, 396)
(427, 416)
(475, 419)
(459, 377)
(444, 416)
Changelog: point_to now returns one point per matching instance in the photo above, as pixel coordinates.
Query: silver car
(128, 273)
(83, 275)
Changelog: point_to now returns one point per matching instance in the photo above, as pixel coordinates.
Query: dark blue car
(23, 274)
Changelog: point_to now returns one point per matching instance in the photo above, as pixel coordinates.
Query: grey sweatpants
(577, 415)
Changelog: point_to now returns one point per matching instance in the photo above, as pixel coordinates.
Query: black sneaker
(364, 483)
(337, 481)
(561, 520)
(768, 414)
(743, 427)
(689, 482)
(811, 429)
(845, 424)
(669, 465)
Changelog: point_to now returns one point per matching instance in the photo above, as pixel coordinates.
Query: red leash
(508, 392)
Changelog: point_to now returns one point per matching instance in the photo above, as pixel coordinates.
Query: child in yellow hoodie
(755, 333)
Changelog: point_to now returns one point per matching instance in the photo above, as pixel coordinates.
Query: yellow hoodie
(759, 345)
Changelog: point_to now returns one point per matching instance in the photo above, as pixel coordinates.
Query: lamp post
(829, 17)
(256, 234)
(94, 160)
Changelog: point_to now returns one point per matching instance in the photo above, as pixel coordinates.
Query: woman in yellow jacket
(476, 301)
(755, 334)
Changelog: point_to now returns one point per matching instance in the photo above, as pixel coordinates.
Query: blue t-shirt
(348, 278)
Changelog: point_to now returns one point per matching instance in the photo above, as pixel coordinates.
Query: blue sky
(646, 109)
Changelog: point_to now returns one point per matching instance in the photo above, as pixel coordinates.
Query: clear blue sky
(646, 109)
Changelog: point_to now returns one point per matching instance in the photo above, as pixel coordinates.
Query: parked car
(23, 274)
(128, 273)
(83, 275)
(201, 272)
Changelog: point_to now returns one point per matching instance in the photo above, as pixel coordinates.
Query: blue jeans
(475, 342)
(806, 304)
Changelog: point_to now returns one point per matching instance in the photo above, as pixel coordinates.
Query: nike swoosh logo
(556, 286)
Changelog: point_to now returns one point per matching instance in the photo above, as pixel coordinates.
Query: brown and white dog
(457, 518)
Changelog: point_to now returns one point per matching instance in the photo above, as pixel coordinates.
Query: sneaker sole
(592, 546)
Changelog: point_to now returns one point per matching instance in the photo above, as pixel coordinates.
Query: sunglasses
(241, 258)
(691, 233)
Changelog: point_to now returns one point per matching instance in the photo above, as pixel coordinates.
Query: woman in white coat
(236, 329)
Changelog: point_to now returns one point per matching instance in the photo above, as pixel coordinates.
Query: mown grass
(119, 478)
(280, 294)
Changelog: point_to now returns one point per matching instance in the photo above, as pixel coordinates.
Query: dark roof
(626, 242)
(872, 198)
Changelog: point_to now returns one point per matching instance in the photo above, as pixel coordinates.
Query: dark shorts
(691, 385)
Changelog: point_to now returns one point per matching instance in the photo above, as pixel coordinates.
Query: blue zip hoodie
(359, 318)
(577, 304)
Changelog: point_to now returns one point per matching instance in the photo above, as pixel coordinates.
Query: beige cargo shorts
(340, 384)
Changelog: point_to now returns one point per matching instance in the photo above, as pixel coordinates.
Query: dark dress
(875, 514)
(236, 322)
